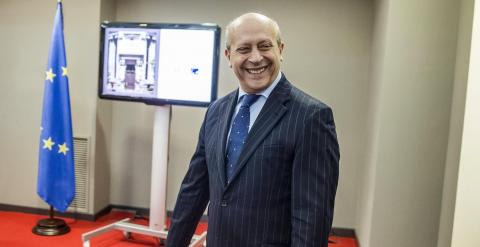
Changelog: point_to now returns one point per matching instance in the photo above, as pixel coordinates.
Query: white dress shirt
(256, 107)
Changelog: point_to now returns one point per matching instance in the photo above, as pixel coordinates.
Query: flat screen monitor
(159, 63)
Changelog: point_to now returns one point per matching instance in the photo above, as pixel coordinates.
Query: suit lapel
(271, 113)
(226, 111)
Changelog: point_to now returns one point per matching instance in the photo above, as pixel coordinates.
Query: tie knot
(249, 99)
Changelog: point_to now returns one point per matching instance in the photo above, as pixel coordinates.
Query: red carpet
(16, 231)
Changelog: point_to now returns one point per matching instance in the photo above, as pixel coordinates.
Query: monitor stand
(157, 190)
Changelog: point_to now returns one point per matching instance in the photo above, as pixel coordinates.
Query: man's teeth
(256, 71)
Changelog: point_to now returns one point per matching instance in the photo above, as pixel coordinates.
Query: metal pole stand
(157, 190)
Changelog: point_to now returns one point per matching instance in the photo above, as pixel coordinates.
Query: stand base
(127, 228)
(51, 227)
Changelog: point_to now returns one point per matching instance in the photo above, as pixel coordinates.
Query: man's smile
(256, 70)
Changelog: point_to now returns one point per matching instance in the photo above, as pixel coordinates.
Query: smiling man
(267, 155)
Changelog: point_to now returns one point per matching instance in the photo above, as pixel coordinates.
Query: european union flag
(56, 178)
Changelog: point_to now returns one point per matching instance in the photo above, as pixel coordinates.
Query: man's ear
(227, 55)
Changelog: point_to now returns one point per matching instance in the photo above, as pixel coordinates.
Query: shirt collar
(266, 92)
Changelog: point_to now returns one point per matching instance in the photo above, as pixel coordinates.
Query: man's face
(254, 54)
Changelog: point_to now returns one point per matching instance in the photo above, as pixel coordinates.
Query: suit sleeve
(192, 198)
(314, 181)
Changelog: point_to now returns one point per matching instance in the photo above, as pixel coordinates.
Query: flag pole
(51, 226)
(51, 207)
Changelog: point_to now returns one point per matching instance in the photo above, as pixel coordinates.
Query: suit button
(223, 203)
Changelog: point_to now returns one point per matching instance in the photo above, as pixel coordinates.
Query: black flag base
(51, 226)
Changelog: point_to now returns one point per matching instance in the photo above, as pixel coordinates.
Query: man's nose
(255, 56)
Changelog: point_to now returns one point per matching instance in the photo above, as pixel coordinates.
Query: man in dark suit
(267, 155)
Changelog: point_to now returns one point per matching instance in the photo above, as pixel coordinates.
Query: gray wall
(413, 71)
(101, 152)
(456, 123)
(466, 223)
(22, 82)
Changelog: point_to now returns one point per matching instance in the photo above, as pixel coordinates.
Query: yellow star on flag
(48, 143)
(64, 71)
(50, 75)
(63, 148)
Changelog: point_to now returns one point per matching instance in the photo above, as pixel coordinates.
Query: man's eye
(265, 47)
(242, 49)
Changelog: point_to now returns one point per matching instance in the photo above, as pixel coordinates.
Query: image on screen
(185, 67)
(132, 57)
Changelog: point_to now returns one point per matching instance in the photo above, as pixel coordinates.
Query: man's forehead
(256, 39)
(253, 28)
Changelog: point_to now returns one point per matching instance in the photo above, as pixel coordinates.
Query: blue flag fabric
(56, 178)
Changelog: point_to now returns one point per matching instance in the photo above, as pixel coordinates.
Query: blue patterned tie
(239, 133)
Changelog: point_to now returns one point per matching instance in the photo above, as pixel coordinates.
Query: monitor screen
(159, 63)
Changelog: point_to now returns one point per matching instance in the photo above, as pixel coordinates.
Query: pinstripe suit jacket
(283, 191)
